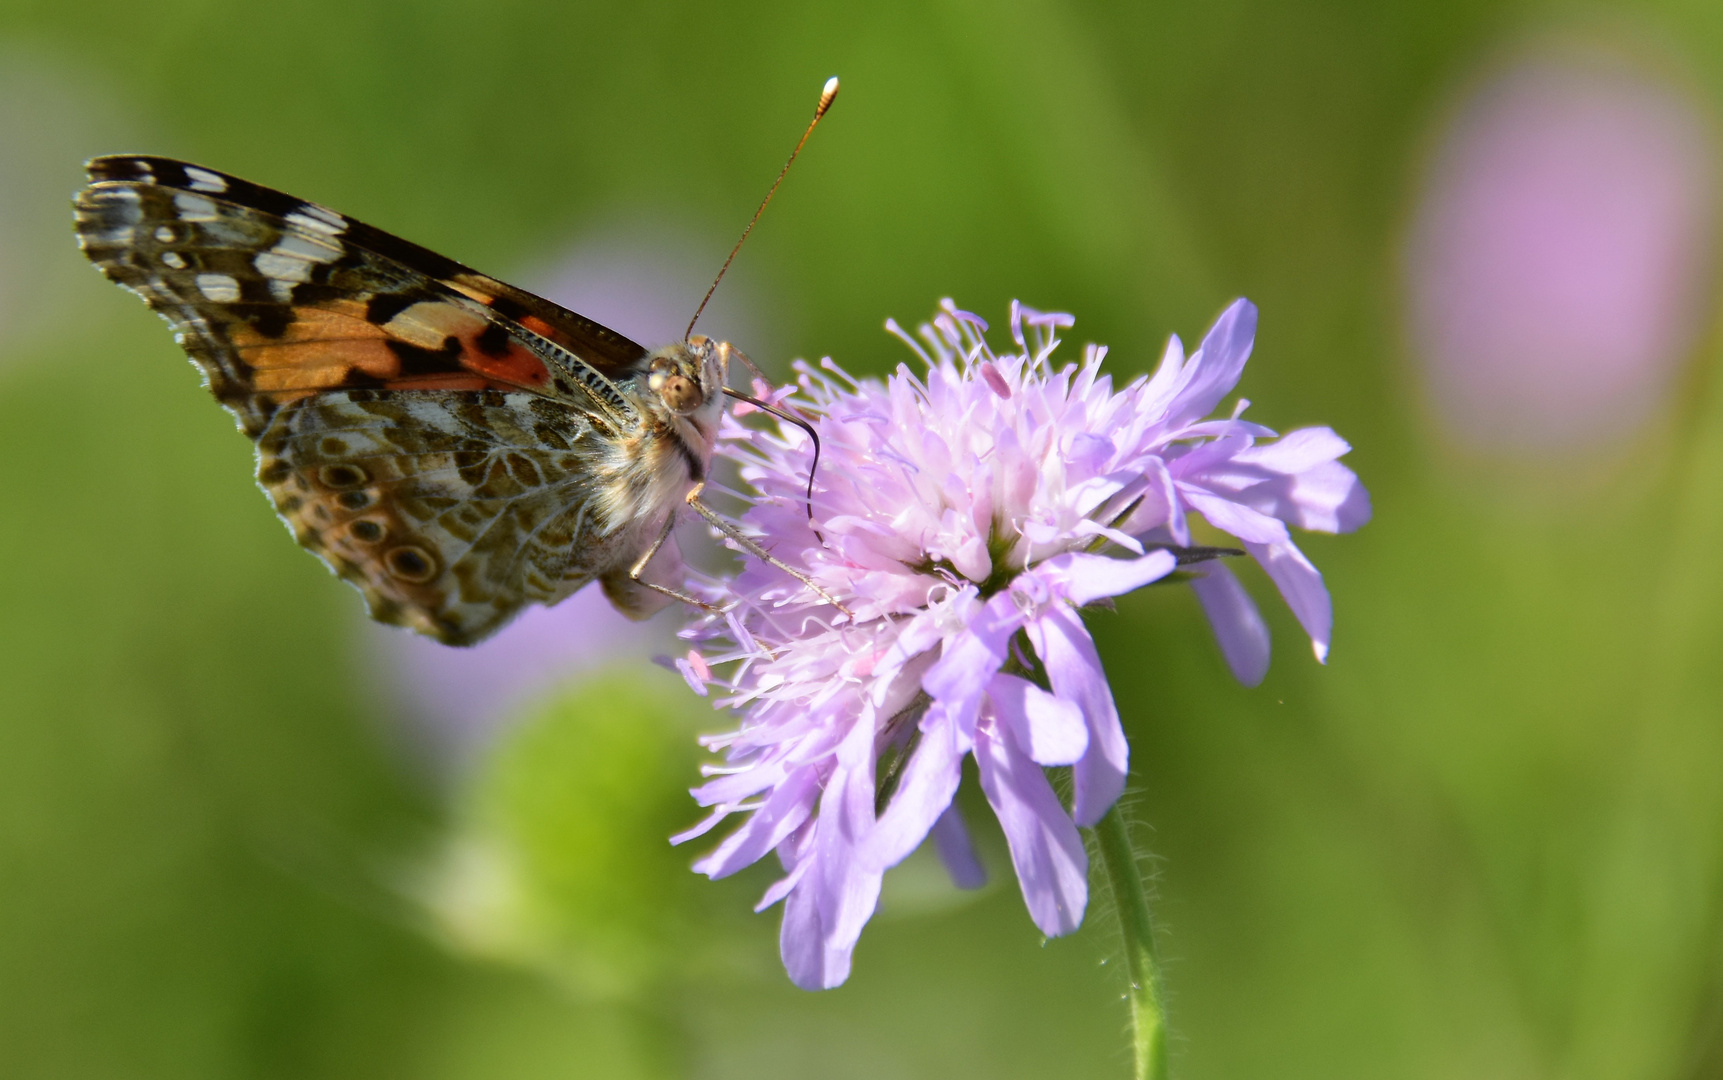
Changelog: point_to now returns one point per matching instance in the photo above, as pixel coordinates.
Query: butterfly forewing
(437, 437)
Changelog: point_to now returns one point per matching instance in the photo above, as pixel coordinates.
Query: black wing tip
(110, 168)
(165, 171)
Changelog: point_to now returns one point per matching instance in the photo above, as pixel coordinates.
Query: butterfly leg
(636, 572)
(748, 544)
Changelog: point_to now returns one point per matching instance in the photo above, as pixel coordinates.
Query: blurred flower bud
(560, 860)
(1558, 265)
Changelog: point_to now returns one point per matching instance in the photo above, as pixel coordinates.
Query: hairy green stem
(1131, 899)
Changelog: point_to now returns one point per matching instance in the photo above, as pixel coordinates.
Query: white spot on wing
(164, 234)
(314, 248)
(274, 265)
(318, 220)
(172, 258)
(194, 207)
(218, 287)
(204, 180)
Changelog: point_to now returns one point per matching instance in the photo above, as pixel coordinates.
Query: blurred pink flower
(1557, 265)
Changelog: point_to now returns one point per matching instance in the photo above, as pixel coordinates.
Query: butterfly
(453, 446)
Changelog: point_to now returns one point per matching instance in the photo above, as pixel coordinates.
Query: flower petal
(1237, 624)
(1215, 368)
(1298, 451)
(960, 675)
(1325, 498)
(1049, 729)
(1084, 578)
(850, 887)
(825, 912)
(783, 812)
(1046, 850)
(951, 840)
(1074, 669)
(1161, 387)
(1301, 584)
(802, 941)
(923, 792)
(1251, 526)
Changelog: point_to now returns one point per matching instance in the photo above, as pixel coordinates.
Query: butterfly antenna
(827, 95)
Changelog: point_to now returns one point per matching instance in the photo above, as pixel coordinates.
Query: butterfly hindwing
(436, 436)
(447, 509)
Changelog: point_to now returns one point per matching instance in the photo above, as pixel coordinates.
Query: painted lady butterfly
(453, 446)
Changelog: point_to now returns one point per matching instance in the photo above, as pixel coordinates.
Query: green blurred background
(1486, 840)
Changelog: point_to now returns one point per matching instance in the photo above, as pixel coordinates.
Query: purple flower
(965, 519)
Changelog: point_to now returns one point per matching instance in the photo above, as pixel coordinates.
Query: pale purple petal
(970, 659)
(1046, 849)
(1087, 528)
(1085, 578)
(1159, 506)
(1221, 429)
(838, 893)
(1074, 669)
(1326, 498)
(702, 827)
(923, 793)
(1151, 498)
(1161, 387)
(1214, 370)
(1049, 729)
(781, 887)
(689, 675)
(783, 812)
(1297, 450)
(850, 887)
(1301, 584)
(951, 840)
(1251, 526)
(802, 943)
(1237, 623)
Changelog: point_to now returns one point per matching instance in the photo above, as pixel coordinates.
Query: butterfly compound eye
(680, 394)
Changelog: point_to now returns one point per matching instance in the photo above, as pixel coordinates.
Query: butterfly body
(453, 446)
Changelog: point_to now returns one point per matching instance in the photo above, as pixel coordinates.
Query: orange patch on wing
(431, 323)
(517, 366)
(335, 319)
(538, 326)
(317, 349)
(299, 378)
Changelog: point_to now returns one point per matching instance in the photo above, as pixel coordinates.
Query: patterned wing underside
(276, 299)
(448, 510)
(432, 434)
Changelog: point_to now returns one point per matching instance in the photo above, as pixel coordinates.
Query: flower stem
(1131, 899)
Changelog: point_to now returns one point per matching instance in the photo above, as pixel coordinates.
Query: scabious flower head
(964, 517)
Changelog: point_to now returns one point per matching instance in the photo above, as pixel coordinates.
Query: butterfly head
(688, 379)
